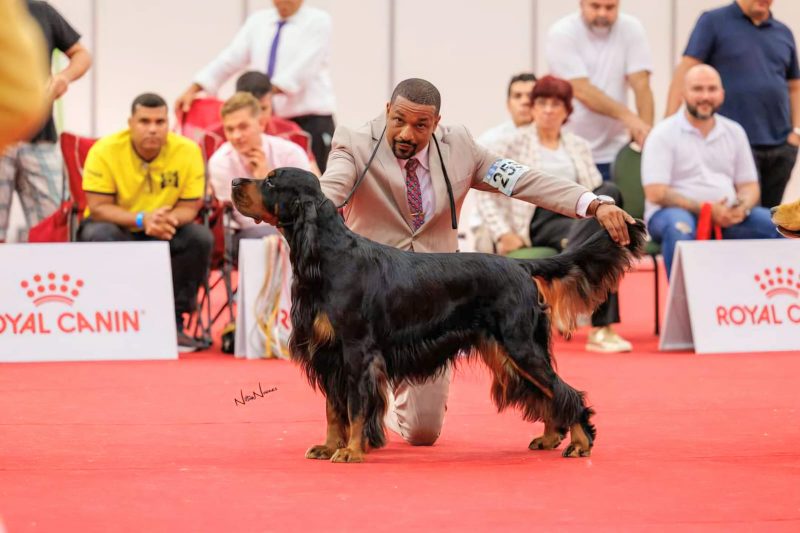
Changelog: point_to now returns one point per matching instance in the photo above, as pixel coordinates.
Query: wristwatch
(597, 202)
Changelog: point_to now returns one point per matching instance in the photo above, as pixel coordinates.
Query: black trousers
(564, 233)
(774, 165)
(189, 249)
(320, 127)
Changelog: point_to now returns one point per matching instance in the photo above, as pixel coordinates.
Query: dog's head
(278, 198)
(786, 218)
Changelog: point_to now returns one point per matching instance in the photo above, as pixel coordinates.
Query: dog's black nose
(238, 181)
(772, 210)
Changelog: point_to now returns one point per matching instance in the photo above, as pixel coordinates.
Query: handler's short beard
(692, 109)
(397, 154)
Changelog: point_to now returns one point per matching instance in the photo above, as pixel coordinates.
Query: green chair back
(627, 175)
(535, 252)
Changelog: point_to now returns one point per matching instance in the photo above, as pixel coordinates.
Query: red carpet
(685, 442)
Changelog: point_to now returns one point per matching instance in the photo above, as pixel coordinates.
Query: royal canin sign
(56, 309)
(780, 288)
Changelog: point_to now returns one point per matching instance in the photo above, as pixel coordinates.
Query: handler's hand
(615, 221)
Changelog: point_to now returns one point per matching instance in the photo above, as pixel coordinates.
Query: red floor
(684, 442)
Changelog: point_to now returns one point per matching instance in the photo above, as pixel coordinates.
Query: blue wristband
(140, 219)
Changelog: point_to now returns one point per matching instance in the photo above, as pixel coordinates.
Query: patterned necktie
(414, 194)
(273, 51)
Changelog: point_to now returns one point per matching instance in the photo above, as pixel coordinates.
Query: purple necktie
(414, 194)
(273, 51)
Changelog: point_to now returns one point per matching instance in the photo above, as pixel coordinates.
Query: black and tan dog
(786, 218)
(365, 314)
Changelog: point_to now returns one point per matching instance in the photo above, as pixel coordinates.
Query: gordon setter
(365, 314)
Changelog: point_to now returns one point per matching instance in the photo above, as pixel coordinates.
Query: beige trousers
(416, 411)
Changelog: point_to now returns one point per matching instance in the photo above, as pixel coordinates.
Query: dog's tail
(577, 281)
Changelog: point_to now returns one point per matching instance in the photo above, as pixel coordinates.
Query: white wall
(468, 49)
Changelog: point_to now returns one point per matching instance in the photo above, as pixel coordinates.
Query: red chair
(63, 224)
(203, 116)
(216, 216)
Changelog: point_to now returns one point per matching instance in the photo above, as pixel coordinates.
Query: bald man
(694, 158)
(756, 56)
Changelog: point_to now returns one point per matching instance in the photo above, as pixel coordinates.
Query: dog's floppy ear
(305, 243)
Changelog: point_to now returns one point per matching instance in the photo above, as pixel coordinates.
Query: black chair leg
(655, 270)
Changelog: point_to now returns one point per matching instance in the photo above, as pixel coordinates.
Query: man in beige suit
(403, 202)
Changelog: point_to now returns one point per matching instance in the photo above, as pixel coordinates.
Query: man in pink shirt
(248, 153)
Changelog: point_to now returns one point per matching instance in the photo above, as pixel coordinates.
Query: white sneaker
(606, 340)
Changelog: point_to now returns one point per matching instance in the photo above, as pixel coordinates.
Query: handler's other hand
(615, 221)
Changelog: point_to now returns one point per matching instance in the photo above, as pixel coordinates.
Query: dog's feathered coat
(365, 314)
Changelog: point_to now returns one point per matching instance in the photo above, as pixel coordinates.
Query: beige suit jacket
(379, 208)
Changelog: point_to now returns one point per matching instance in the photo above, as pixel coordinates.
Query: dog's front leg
(336, 434)
(366, 403)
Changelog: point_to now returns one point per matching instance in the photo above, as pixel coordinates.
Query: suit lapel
(391, 169)
(441, 198)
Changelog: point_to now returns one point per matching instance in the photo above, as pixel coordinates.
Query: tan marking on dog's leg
(335, 438)
(579, 445)
(354, 452)
(321, 333)
(501, 360)
(549, 441)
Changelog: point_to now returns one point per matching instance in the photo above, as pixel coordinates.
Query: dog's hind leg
(336, 434)
(366, 406)
(532, 383)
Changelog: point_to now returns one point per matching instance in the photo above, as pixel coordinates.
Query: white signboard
(263, 318)
(734, 296)
(86, 301)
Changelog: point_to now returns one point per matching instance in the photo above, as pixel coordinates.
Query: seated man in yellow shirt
(146, 183)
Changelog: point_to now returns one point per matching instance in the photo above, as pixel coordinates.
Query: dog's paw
(346, 455)
(320, 451)
(577, 450)
(546, 442)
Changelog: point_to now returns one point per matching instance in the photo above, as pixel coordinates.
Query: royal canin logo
(778, 281)
(64, 289)
(781, 287)
(43, 289)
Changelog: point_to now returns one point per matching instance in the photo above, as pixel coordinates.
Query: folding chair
(203, 117)
(300, 138)
(217, 217)
(627, 174)
(74, 150)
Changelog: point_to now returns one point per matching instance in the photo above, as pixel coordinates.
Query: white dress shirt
(226, 164)
(302, 66)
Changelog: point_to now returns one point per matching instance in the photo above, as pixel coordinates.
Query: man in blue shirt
(756, 57)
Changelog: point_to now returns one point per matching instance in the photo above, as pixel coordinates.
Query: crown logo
(52, 288)
(777, 281)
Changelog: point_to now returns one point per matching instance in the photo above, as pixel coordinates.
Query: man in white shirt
(248, 153)
(518, 103)
(696, 161)
(602, 52)
(291, 44)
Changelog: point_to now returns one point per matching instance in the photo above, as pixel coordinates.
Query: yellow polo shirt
(113, 167)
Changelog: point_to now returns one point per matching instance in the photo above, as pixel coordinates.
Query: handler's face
(409, 126)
